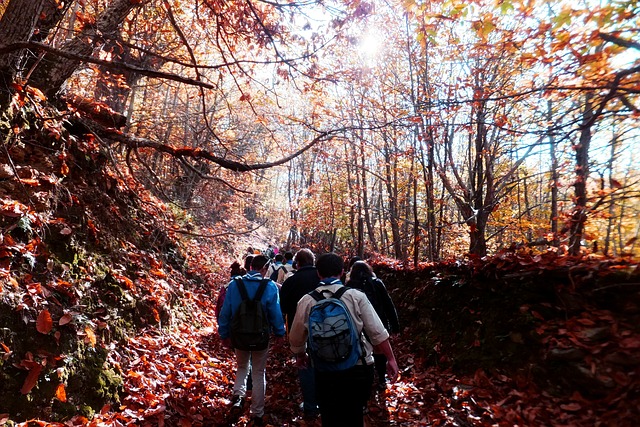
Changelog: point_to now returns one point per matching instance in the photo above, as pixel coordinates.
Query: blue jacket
(270, 301)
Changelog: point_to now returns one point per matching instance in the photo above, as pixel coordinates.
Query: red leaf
(630, 342)
(615, 183)
(31, 380)
(572, 407)
(44, 324)
(61, 393)
(65, 319)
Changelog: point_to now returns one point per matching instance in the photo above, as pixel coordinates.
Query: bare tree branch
(134, 142)
(116, 66)
(620, 41)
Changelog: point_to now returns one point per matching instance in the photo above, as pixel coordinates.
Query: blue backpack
(334, 342)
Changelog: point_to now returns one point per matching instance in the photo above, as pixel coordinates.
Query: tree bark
(555, 178)
(392, 192)
(17, 25)
(53, 71)
(579, 214)
(612, 202)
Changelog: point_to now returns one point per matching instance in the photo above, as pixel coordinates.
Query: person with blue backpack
(327, 331)
(250, 314)
(303, 281)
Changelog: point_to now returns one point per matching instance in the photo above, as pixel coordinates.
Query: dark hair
(360, 270)
(258, 262)
(353, 260)
(247, 262)
(304, 257)
(279, 257)
(288, 256)
(329, 265)
(236, 270)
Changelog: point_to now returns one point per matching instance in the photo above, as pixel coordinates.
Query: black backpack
(250, 325)
(274, 275)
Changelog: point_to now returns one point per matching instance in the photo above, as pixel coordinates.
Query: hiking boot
(237, 404)
(257, 421)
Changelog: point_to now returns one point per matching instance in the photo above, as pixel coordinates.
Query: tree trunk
(365, 200)
(579, 215)
(612, 201)
(17, 25)
(392, 191)
(555, 178)
(53, 71)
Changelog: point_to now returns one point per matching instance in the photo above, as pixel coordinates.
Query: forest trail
(177, 373)
(185, 377)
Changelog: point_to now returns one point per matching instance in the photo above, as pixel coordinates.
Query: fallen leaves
(61, 393)
(44, 324)
(65, 319)
(32, 378)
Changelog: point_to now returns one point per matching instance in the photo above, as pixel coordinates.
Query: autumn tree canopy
(421, 130)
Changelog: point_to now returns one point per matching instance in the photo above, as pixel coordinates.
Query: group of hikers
(337, 322)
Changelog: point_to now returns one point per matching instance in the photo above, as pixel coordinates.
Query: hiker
(272, 272)
(287, 268)
(247, 262)
(342, 393)
(235, 270)
(253, 281)
(269, 252)
(352, 260)
(361, 277)
(303, 281)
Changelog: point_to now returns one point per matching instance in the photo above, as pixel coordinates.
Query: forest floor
(183, 377)
(106, 318)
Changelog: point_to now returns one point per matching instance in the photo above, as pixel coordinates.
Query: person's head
(304, 257)
(288, 256)
(235, 268)
(360, 270)
(353, 260)
(247, 262)
(329, 265)
(279, 258)
(259, 263)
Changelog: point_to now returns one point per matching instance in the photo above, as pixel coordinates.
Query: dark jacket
(303, 281)
(377, 293)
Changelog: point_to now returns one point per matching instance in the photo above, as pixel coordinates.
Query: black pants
(380, 362)
(342, 395)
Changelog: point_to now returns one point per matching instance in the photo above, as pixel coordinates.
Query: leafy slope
(107, 319)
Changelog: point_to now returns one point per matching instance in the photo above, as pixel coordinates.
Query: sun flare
(370, 44)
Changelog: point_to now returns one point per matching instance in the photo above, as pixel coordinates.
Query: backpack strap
(261, 289)
(242, 289)
(338, 294)
(317, 295)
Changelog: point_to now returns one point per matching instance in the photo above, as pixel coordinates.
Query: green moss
(86, 411)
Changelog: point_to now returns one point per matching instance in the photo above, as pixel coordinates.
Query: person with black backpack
(272, 272)
(361, 277)
(327, 331)
(250, 313)
(286, 270)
